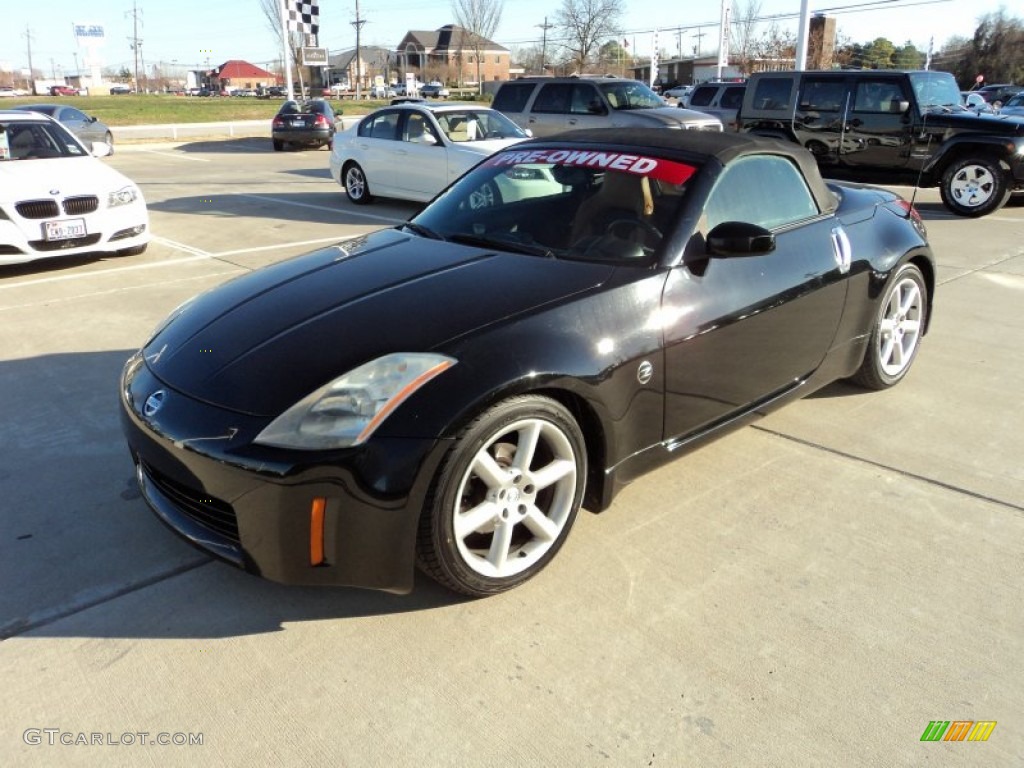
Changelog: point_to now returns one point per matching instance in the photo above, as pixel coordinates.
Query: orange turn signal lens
(316, 530)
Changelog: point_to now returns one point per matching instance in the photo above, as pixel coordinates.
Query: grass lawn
(165, 109)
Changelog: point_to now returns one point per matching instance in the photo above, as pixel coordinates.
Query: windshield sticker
(658, 168)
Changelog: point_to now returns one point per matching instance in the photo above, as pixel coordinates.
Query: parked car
(57, 199)
(88, 129)
(382, 92)
(975, 102)
(119, 90)
(550, 105)
(63, 90)
(457, 387)
(680, 93)
(413, 150)
(999, 93)
(312, 123)
(434, 91)
(1014, 106)
(903, 124)
(719, 99)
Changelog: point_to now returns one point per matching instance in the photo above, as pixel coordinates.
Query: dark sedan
(312, 123)
(449, 392)
(87, 128)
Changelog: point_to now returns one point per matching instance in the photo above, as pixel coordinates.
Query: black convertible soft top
(698, 147)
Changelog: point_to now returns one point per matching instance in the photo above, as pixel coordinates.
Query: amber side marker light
(316, 530)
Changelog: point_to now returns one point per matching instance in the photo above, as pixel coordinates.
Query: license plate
(300, 122)
(64, 230)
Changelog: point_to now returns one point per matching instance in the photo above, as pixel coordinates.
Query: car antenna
(920, 171)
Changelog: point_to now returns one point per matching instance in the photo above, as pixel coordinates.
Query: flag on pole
(303, 16)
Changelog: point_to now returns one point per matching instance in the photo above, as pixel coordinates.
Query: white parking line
(176, 156)
(197, 255)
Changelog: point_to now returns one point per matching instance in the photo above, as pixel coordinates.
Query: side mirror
(738, 238)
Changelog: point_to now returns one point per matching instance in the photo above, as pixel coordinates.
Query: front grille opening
(210, 512)
(79, 205)
(56, 245)
(37, 209)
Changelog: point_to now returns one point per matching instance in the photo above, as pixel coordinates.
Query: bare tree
(480, 19)
(272, 12)
(584, 24)
(743, 35)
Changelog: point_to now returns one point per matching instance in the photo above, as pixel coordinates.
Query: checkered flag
(303, 16)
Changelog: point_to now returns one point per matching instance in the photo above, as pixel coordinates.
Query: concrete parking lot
(813, 590)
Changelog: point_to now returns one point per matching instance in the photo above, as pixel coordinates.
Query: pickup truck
(908, 124)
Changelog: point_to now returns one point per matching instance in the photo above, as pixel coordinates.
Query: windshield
(631, 94)
(935, 89)
(562, 203)
(477, 125)
(24, 140)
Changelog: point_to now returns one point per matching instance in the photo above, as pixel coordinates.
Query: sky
(190, 33)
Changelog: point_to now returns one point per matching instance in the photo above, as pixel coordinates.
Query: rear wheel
(505, 498)
(897, 331)
(278, 145)
(974, 186)
(356, 188)
(109, 139)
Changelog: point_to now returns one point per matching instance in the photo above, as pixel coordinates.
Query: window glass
(382, 126)
(74, 115)
(703, 95)
(783, 194)
(822, 95)
(773, 93)
(553, 98)
(512, 97)
(877, 96)
(586, 100)
(418, 129)
(732, 98)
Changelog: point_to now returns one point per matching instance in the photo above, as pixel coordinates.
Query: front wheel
(354, 179)
(896, 334)
(974, 186)
(505, 498)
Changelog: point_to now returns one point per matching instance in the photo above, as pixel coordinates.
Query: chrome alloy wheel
(900, 327)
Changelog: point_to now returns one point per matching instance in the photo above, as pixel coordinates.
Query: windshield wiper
(530, 249)
(422, 231)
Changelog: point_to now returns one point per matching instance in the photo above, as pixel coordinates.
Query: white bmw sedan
(57, 199)
(414, 150)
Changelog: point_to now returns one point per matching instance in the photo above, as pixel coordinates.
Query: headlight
(122, 197)
(346, 411)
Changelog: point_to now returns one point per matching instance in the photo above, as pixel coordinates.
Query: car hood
(670, 116)
(483, 148)
(988, 122)
(260, 343)
(35, 179)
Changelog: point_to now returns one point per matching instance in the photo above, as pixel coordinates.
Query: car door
(420, 158)
(878, 126)
(741, 330)
(818, 121)
(586, 108)
(550, 110)
(79, 124)
(374, 151)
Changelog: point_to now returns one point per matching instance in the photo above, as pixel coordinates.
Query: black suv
(910, 123)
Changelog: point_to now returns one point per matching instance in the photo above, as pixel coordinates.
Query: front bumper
(251, 506)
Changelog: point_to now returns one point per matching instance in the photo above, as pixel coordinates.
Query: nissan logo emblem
(154, 402)
(644, 372)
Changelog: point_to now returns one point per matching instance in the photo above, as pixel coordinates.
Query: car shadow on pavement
(316, 173)
(51, 266)
(246, 144)
(82, 555)
(309, 207)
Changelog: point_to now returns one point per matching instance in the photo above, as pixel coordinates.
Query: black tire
(133, 251)
(481, 537)
(356, 187)
(278, 145)
(974, 186)
(897, 330)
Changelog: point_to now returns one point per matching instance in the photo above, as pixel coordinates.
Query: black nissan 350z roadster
(451, 391)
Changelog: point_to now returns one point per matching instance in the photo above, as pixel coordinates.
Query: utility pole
(544, 43)
(358, 24)
(699, 34)
(31, 72)
(136, 43)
